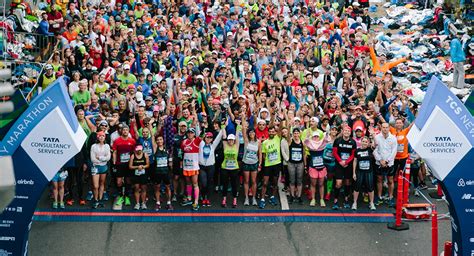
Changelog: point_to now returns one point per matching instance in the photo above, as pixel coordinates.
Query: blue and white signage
(41, 141)
(443, 135)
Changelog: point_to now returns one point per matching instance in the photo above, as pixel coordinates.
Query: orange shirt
(70, 36)
(402, 142)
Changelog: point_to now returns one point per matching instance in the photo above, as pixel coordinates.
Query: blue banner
(443, 135)
(49, 118)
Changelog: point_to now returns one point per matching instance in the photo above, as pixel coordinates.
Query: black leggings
(414, 175)
(234, 181)
(75, 182)
(206, 178)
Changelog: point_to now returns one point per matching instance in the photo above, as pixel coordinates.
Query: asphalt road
(62, 238)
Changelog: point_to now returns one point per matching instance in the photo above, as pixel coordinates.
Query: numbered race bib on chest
(124, 158)
(161, 161)
(273, 156)
(231, 164)
(139, 172)
(329, 154)
(296, 154)
(317, 161)
(251, 155)
(400, 148)
(344, 156)
(364, 165)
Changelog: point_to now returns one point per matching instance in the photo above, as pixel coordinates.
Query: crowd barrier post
(406, 181)
(398, 224)
(434, 232)
(438, 194)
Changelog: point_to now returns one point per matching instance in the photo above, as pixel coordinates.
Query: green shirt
(126, 80)
(230, 157)
(81, 97)
(272, 150)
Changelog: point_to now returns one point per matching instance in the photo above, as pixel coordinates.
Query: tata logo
(442, 138)
(48, 139)
(467, 197)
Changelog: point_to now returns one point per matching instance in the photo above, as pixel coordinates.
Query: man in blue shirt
(458, 57)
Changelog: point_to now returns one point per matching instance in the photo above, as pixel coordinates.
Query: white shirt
(385, 148)
(211, 160)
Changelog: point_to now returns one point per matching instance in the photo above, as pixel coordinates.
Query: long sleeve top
(100, 154)
(211, 156)
(385, 148)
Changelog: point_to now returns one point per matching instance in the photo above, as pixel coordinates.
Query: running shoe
(261, 204)
(55, 205)
(372, 207)
(101, 204)
(95, 205)
(62, 206)
(137, 206)
(224, 203)
(254, 201)
(273, 201)
(127, 201)
(89, 196)
(366, 198)
(195, 207)
(312, 203)
(208, 203)
(327, 196)
(70, 202)
(335, 206)
(82, 202)
(174, 199)
(204, 202)
(347, 205)
(143, 206)
(234, 202)
(157, 207)
(354, 206)
(391, 202)
(322, 203)
(105, 197)
(169, 207)
(119, 200)
(378, 201)
(246, 202)
(186, 202)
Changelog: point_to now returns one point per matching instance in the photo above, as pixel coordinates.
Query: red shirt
(261, 134)
(124, 148)
(55, 16)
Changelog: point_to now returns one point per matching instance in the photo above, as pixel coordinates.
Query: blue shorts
(99, 169)
(60, 176)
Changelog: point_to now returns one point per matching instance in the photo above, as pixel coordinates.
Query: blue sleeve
(410, 115)
(384, 109)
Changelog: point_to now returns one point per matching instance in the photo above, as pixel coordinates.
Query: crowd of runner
(190, 98)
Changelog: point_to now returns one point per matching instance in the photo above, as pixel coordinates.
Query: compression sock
(347, 191)
(329, 186)
(189, 191)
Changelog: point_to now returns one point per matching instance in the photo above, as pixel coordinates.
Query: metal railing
(31, 47)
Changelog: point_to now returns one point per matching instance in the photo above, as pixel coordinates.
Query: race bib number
(317, 161)
(345, 156)
(124, 158)
(231, 164)
(400, 148)
(161, 161)
(273, 156)
(139, 172)
(379, 74)
(94, 170)
(329, 154)
(364, 165)
(251, 156)
(188, 164)
(147, 151)
(296, 155)
(63, 175)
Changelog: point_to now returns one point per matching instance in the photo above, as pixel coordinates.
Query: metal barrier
(31, 47)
